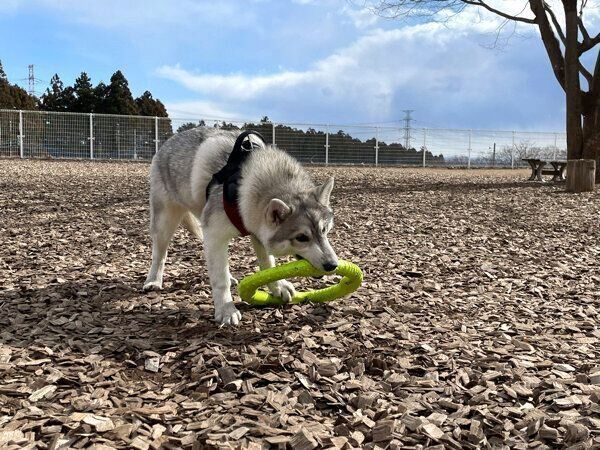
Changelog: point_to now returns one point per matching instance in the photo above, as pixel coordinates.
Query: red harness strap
(233, 213)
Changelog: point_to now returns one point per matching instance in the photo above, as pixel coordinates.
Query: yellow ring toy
(249, 292)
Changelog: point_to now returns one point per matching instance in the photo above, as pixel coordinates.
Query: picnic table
(537, 169)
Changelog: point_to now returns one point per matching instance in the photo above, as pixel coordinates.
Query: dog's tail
(191, 224)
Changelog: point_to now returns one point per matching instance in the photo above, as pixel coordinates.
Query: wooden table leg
(538, 171)
(563, 167)
(556, 174)
(532, 164)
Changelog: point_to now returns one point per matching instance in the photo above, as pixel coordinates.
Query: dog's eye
(302, 238)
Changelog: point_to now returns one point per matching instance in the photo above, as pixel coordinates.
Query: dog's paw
(283, 289)
(152, 286)
(233, 281)
(227, 314)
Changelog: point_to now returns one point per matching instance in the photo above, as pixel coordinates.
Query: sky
(296, 61)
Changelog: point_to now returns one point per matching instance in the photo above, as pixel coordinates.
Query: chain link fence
(36, 134)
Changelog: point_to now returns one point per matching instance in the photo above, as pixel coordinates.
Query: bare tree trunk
(572, 84)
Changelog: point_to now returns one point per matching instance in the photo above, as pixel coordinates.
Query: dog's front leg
(281, 288)
(216, 242)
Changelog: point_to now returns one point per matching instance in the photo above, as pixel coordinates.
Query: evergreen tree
(2, 73)
(13, 96)
(100, 93)
(57, 97)
(187, 126)
(85, 100)
(148, 106)
(118, 98)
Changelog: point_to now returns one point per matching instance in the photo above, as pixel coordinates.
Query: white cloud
(371, 72)
(236, 86)
(361, 18)
(198, 109)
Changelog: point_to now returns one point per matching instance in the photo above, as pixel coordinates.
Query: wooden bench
(537, 169)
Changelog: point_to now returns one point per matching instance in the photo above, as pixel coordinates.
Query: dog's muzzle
(299, 258)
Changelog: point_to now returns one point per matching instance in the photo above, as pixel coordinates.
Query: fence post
(376, 146)
(91, 136)
(273, 134)
(424, 146)
(512, 152)
(155, 135)
(555, 149)
(21, 153)
(327, 146)
(469, 160)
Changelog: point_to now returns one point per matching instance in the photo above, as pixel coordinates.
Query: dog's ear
(323, 192)
(277, 211)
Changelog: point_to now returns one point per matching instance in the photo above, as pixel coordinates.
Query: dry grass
(477, 325)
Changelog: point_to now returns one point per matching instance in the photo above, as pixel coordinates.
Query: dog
(281, 208)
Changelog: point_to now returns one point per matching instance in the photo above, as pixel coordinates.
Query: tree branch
(549, 40)
(586, 73)
(498, 12)
(559, 30)
(588, 42)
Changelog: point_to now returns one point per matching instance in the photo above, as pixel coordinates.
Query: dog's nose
(329, 266)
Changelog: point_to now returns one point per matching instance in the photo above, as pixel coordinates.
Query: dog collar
(230, 175)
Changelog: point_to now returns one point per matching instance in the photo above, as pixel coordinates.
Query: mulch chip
(477, 325)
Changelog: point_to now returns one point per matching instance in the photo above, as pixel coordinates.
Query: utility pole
(407, 127)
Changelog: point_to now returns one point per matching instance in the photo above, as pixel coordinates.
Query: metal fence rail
(40, 134)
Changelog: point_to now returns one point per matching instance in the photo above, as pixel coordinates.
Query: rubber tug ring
(249, 291)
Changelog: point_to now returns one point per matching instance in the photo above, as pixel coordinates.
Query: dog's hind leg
(164, 220)
(191, 224)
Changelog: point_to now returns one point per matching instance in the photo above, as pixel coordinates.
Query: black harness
(230, 175)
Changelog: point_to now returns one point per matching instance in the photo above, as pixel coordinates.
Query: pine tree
(13, 96)
(57, 97)
(5, 91)
(118, 98)
(186, 126)
(148, 106)
(2, 73)
(85, 96)
(100, 93)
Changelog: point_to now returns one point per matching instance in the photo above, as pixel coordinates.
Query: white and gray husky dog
(282, 209)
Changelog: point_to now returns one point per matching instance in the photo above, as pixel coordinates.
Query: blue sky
(326, 61)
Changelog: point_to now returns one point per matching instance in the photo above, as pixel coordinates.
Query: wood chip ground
(477, 325)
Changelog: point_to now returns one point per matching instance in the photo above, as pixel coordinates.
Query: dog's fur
(278, 203)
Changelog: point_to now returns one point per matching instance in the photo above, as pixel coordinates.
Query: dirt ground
(477, 325)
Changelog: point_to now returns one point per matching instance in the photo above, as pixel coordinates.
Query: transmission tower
(31, 81)
(407, 127)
